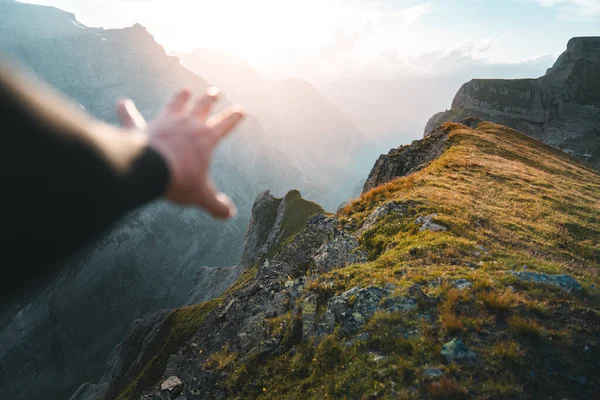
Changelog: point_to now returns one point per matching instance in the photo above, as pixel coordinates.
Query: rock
(427, 224)
(171, 384)
(381, 212)
(565, 282)
(456, 350)
(561, 108)
(399, 304)
(462, 284)
(367, 301)
(407, 159)
(339, 253)
(432, 373)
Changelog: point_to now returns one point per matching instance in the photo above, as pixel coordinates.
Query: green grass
(509, 202)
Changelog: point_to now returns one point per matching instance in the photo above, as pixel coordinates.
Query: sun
(258, 29)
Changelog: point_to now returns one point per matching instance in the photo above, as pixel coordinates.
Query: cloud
(407, 17)
(574, 10)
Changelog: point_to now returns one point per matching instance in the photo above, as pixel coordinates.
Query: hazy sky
(324, 39)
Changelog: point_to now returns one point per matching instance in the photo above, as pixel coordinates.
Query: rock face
(273, 221)
(59, 336)
(407, 159)
(562, 108)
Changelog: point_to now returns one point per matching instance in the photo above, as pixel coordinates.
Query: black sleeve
(60, 186)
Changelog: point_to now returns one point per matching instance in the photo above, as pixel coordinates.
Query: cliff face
(444, 284)
(562, 108)
(59, 335)
(407, 159)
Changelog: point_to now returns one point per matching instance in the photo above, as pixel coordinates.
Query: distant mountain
(298, 120)
(59, 335)
(562, 108)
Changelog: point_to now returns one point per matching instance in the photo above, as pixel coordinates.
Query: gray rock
(427, 224)
(381, 212)
(171, 384)
(432, 373)
(462, 284)
(339, 253)
(399, 304)
(456, 350)
(407, 159)
(565, 282)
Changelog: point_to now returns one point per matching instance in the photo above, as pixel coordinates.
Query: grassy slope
(509, 202)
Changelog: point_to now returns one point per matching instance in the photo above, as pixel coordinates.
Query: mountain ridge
(441, 283)
(561, 108)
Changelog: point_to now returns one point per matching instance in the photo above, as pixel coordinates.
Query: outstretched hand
(186, 137)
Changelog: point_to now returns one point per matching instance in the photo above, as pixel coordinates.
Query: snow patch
(77, 24)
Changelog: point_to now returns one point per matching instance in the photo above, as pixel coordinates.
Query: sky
(325, 40)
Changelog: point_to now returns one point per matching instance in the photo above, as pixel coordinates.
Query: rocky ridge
(408, 292)
(561, 108)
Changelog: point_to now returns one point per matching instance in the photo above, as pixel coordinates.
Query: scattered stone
(462, 284)
(427, 224)
(171, 384)
(456, 350)
(339, 253)
(565, 282)
(432, 373)
(381, 212)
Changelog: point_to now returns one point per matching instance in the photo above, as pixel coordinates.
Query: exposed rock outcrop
(562, 108)
(407, 159)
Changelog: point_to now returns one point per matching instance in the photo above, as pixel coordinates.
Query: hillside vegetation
(475, 277)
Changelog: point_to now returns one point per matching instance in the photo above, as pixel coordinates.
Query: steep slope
(562, 108)
(298, 120)
(475, 276)
(49, 338)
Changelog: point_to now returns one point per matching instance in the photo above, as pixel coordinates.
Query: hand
(186, 137)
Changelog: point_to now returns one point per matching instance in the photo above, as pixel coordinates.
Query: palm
(186, 137)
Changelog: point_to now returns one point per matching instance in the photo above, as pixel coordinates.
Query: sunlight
(247, 28)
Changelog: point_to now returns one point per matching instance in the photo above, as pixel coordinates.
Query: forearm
(65, 176)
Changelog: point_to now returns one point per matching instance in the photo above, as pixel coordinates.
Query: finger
(129, 115)
(224, 123)
(179, 102)
(219, 205)
(204, 104)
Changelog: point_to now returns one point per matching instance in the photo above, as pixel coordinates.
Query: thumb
(129, 115)
(219, 205)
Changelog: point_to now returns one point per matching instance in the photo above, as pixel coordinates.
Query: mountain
(298, 120)
(561, 108)
(472, 271)
(58, 335)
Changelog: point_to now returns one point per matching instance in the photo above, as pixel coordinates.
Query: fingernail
(212, 91)
(233, 212)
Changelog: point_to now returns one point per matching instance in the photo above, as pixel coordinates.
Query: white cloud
(407, 16)
(574, 10)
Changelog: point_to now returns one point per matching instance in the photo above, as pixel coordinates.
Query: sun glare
(253, 29)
